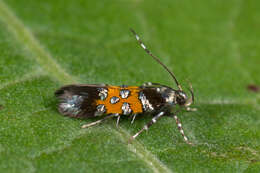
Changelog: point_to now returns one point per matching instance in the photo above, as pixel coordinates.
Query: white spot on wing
(145, 102)
(114, 100)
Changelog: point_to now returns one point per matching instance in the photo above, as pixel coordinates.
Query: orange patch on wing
(132, 99)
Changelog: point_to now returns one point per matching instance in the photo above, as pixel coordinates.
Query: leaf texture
(46, 44)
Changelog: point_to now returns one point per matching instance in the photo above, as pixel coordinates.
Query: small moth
(93, 100)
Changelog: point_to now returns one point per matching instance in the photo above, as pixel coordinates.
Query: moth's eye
(181, 98)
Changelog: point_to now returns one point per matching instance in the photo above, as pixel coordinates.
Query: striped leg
(117, 121)
(133, 118)
(147, 84)
(152, 84)
(97, 122)
(189, 109)
(146, 127)
(181, 130)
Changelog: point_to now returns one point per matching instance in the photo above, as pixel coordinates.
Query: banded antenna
(155, 58)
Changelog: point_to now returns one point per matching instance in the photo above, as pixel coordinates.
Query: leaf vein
(26, 37)
(26, 77)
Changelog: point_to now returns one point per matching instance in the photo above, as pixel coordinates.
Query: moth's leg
(147, 84)
(146, 127)
(118, 118)
(181, 130)
(124, 86)
(151, 84)
(133, 119)
(191, 109)
(98, 121)
(102, 84)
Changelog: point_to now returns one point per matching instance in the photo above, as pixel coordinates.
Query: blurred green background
(46, 44)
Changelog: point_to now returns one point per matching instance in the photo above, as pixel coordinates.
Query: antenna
(191, 91)
(155, 58)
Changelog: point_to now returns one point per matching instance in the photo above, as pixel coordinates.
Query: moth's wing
(153, 97)
(79, 100)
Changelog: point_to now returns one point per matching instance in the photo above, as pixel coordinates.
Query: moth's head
(182, 99)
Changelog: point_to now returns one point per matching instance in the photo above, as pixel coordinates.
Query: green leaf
(46, 44)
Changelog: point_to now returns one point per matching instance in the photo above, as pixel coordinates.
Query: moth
(107, 101)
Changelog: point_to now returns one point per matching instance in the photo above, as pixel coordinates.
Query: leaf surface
(46, 44)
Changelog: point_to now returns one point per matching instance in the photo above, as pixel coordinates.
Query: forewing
(153, 97)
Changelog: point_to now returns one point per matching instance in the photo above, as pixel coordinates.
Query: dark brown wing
(153, 97)
(79, 100)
